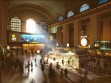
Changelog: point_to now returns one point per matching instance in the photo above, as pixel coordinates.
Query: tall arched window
(102, 1)
(84, 7)
(70, 13)
(15, 24)
(60, 18)
(30, 26)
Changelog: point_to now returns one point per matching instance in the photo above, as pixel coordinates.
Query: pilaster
(65, 35)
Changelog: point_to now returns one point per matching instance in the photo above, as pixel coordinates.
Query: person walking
(65, 72)
(35, 60)
(31, 66)
(62, 62)
(61, 72)
(85, 74)
(42, 67)
(32, 81)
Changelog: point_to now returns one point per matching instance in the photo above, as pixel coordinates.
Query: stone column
(93, 29)
(106, 28)
(59, 35)
(3, 22)
(76, 33)
(65, 35)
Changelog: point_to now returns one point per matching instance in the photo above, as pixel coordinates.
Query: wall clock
(84, 41)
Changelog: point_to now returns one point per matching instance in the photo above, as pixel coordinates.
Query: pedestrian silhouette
(65, 72)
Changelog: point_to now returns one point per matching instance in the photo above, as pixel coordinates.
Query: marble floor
(34, 76)
(10, 76)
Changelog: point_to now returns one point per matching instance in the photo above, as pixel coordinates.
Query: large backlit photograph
(32, 38)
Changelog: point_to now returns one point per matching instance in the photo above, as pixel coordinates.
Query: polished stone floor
(35, 76)
(9, 75)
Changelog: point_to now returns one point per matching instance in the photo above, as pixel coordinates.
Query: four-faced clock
(84, 41)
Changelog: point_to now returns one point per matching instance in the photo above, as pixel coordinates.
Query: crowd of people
(99, 64)
(9, 60)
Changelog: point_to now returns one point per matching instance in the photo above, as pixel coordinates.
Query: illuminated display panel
(33, 46)
(14, 37)
(102, 45)
(32, 38)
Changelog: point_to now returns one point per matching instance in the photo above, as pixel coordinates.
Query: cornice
(100, 8)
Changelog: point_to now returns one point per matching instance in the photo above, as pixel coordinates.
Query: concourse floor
(34, 76)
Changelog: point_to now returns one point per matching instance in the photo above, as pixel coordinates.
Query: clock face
(84, 42)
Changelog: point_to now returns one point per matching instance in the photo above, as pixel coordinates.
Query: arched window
(43, 25)
(70, 13)
(84, 7)
(60, 18)
(102, 1)
(31, 26)
(15, 24)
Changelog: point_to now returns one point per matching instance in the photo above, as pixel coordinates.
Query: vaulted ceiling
(45, 10)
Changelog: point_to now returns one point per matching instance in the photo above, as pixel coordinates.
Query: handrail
(102, 79)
